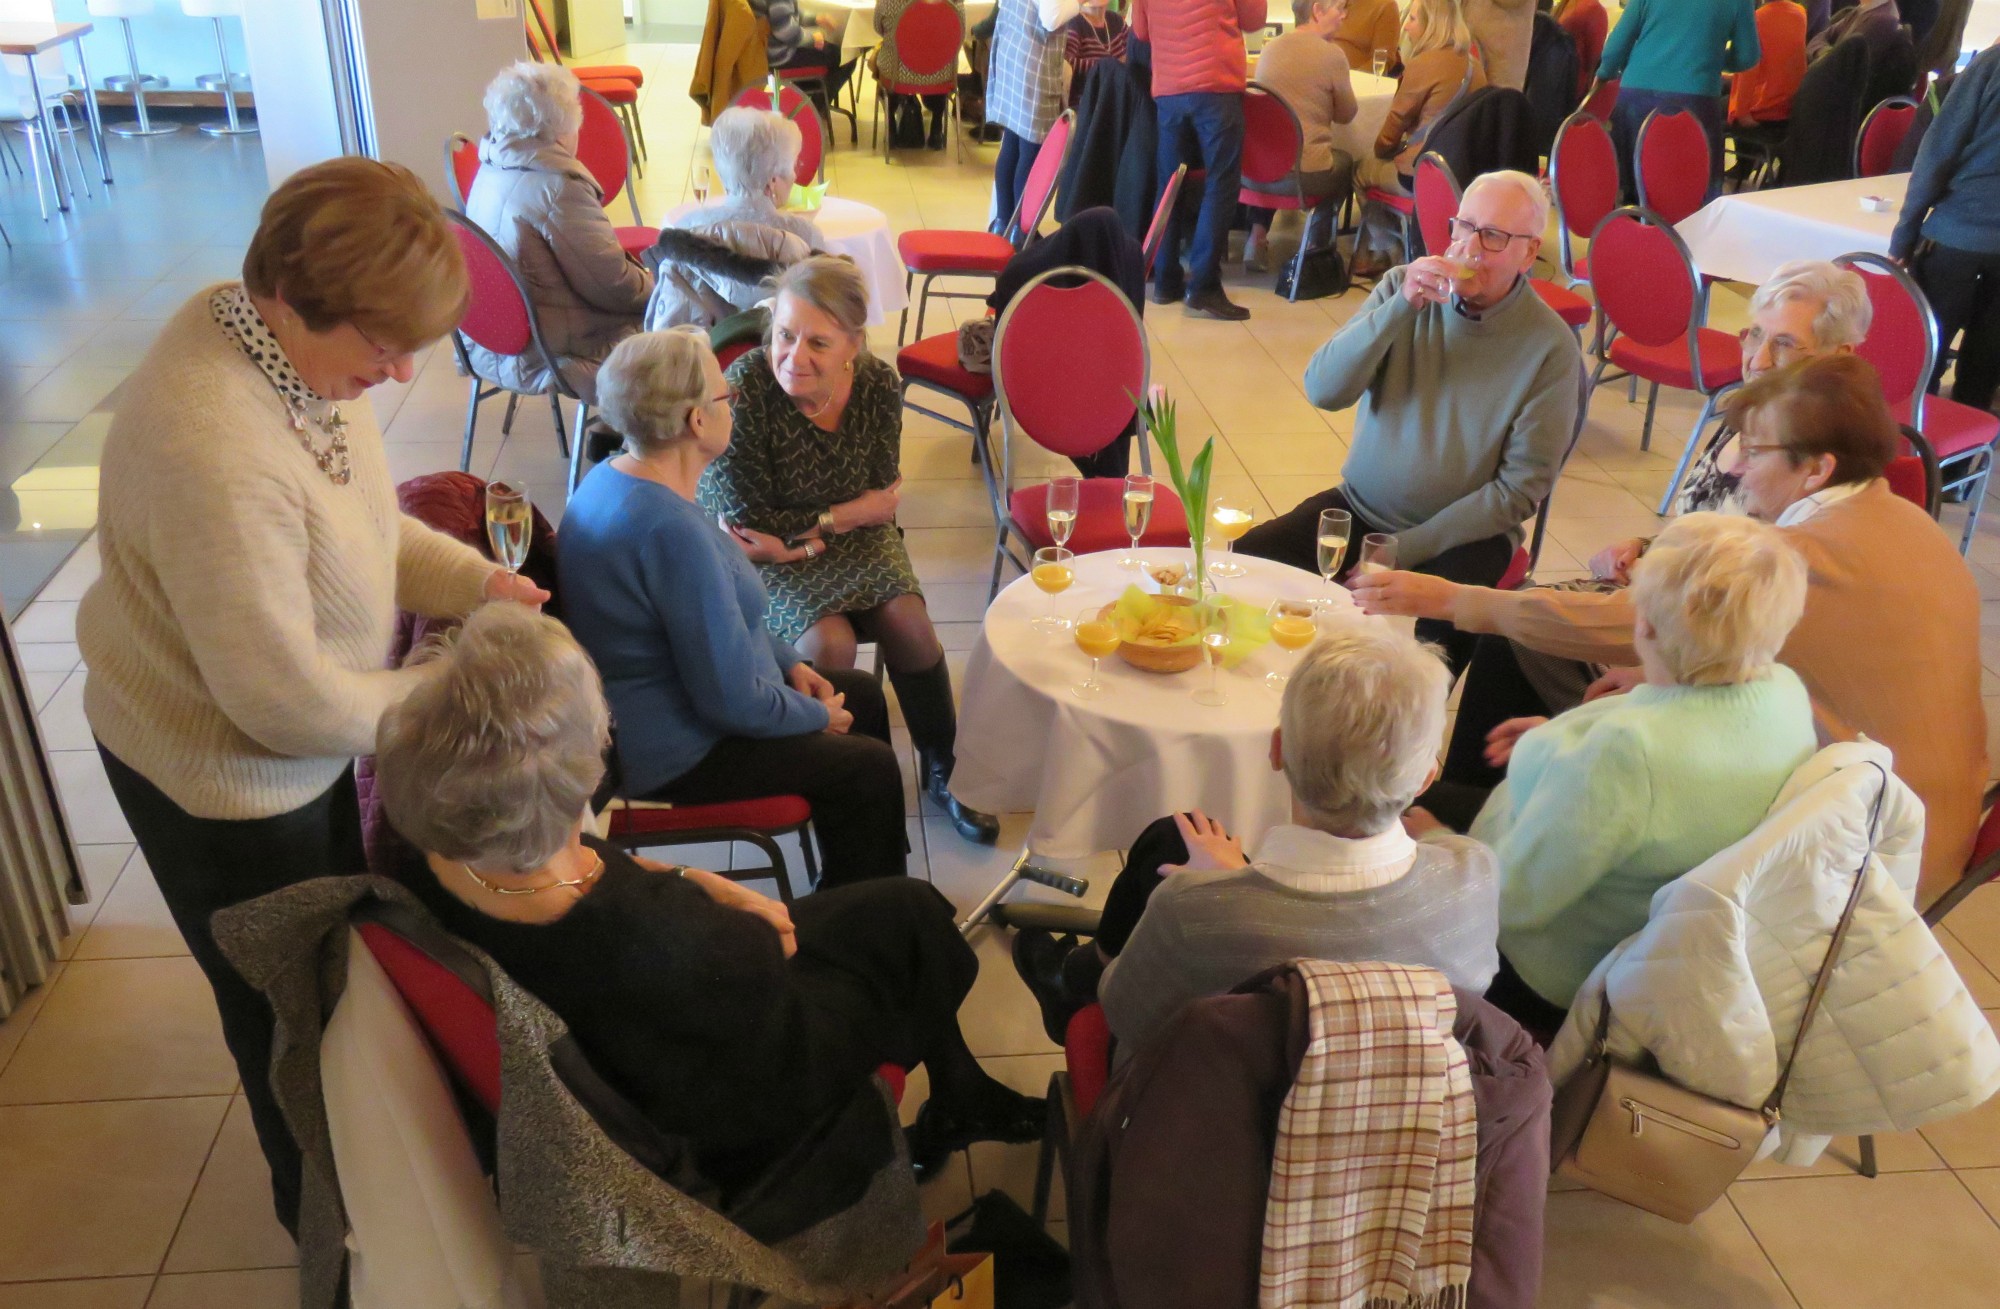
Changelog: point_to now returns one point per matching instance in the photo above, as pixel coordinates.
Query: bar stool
(225, 81)
(137, 82)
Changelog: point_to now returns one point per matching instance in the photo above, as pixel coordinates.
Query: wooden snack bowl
(1159, 658)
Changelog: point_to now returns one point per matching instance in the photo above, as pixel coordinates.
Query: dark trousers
(852, 781)
(1629, 114)
(206, 864)
(822, 63)
(1204, 128)
(1495, 690)
(1964, 290)
(1525, 1005)
(1293, 538)
(1159, 844)
(1322, 223)
(1010, 172)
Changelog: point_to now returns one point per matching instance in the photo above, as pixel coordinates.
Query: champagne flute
(1138, 515)
(1214, 640)
(509, 521)
(1335, 526)
(1229, 518)
(1097, 636)
(1054, 570)
(1378, 554)
(1378, 62)
(1064, 493)
(1293, 628)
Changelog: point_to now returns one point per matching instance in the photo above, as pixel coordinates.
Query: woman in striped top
(1096, 33)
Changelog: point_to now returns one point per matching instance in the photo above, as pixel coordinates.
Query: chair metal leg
(76, 157)
(575, 450)
(507, 419)
(1687, 455)
(232, 124)
(1652, 402)
(471, 425)
(144, 127)
(1867, 1156)
(555, 409)
(43, 176)
(1978, 501)
(903, 320)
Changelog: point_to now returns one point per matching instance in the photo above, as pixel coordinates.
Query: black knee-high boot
(933, 722)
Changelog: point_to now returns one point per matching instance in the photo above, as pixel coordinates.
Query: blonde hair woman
(254, 561)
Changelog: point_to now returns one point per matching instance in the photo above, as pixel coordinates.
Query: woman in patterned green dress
(809, 490)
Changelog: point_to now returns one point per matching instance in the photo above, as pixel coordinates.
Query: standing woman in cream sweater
(254, 559)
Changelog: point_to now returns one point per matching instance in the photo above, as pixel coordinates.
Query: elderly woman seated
(809, 487)
(1191, 916)
(728, 1021)
(716, 261)
(710, 704)
(1607, 803)
(547, 213)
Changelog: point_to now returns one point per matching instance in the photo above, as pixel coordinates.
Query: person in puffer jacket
(1198, 76)
(547, 212)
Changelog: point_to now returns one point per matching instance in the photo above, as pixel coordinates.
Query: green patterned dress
(780, 470)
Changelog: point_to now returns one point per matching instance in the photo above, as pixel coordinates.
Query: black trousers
(1293, 538)
(1159, 844)
(852, 781)
(206, 864)
(1495, 690)
(1964, 290)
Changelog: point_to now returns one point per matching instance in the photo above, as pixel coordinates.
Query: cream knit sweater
(238, 637)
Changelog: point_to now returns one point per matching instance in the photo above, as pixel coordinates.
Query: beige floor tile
(229, 1223)
(1899, 1152)
(74, 577)
(1317, 455)
(94, 817)
(1901, 1238)
(16, 1024)
(1976, 925)
(1971, 1140)
(1011, 1168)
(1978, 978)
(1984, 1183)
(268, 1288)
(102, 867)
(122, 1029)
(96, 1190)
(1604, 1254)
(133, 922)
(96, 1293)
(42, 687)
(47, 620)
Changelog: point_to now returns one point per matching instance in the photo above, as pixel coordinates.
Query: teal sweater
(1683, 46)
(1611, 801)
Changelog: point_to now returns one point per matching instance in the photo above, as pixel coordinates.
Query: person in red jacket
(1586, 22)
(1199, 71)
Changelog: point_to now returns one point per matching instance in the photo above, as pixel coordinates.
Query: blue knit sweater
(1954, 193)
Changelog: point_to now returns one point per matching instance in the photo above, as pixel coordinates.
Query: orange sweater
(1370, 25)
(1888, 649)
(1764, 93)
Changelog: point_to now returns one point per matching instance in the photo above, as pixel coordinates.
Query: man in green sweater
(1467, 388)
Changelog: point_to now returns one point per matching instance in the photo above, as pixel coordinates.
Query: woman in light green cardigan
(1607, 803)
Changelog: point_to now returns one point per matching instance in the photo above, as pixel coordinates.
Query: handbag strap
(1777, 1095)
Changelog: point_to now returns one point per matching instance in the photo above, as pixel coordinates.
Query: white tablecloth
(1097, 771)
(1745, 237)
(1372, 96)
(859, 231)
(858, 34)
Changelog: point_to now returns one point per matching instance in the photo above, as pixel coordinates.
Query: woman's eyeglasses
(1491, 239)
(1784, 349)
(383, 354)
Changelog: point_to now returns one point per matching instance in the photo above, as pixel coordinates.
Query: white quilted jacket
(1715, 983)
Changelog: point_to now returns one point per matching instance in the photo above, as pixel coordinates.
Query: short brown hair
(358, 241)
(1831, 405)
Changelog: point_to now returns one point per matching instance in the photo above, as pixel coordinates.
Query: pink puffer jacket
(1197, 44)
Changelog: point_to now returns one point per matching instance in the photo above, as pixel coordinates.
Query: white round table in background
(1097, 771)
(862, 233)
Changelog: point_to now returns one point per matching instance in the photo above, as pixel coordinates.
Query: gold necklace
(589, 877)
(825, 405)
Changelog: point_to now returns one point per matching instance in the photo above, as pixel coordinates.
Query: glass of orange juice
(1053, 571)
(1229, 517)
(1293, 627)
(1097, 636)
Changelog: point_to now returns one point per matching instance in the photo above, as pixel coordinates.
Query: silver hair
(1361, 721)
(1721, 594)
(753, 148)
(539, 102)
(492, 759)
(651, 384)
(1845, 313)
(1529, 187)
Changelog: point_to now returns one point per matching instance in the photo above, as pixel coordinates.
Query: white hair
(1529, 187)
(539, 102)
(1845, 309)
(754, 148)
(1361, 721)
(491, 760)
(650, 386)
(1721, 593)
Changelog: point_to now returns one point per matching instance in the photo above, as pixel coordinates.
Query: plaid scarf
(1372, 1179)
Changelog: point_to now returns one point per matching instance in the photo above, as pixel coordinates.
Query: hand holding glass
(1335, 526)
(1293, 629)
(509, 520)
(1138, 515)
(1214, 640)
(1229, 518)
(1053, 572)
(1064, 493)
(1097, 636)
(1378, 554)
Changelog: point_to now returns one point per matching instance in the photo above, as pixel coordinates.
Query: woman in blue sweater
(709, 705)
(1609, 802)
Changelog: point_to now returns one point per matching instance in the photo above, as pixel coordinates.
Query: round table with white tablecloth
(1097, 771)
(860, 232)
(1745, 237)
(1372, 96)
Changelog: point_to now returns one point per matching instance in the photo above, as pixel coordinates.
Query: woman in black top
(745, 1029)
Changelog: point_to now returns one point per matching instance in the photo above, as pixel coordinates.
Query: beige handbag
(1637, 1136)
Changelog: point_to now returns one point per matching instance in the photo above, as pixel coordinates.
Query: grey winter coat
(715, 263)
(547, 213)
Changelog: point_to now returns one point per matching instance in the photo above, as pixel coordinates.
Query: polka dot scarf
(241, 323)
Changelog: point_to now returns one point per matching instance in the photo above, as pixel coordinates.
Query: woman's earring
(848, 366)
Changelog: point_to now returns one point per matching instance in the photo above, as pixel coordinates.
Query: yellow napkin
(807, 197)
(1145, 619)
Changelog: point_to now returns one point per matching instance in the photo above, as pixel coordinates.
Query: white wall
(427, 65)
(294, 84)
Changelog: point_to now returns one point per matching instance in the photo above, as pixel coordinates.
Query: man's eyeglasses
(1784, 349)
(1491, 239)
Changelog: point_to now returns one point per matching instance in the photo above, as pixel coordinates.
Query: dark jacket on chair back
(1111, 148)
(1826, 113)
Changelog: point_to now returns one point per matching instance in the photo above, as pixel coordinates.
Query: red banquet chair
(461, 166)
(1649, 326)
(1583, 175)
(649, 824)
(1882, 134)
(928, 38)
(1437, 204)
(619, 84)
(1156, 231)
(606, 155)
(1073, 1094)
(1272, 144)
(1048, 400)
(1673, 164)
(932, 253)
(1914, 474)
(1602, 101)
(793, 104)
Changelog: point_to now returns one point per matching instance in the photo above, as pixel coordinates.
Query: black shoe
(1039, 957)
(974, 826)
(939, 1133)
(936, 140)
(1212, 303)
(1167, 293)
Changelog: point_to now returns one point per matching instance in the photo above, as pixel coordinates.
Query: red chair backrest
(1156, 231)
(601, 146)
(1272, 139)
(1087, 1054)
(1070, 405)
(1905, 475)
(729, 354)
(498, 315)
(1673, 164)
(927, 38)
(1040, 191)
(1882, 134)
(461, 166)
(1583, 173)
(1437, 202)
(1600, 104)
(793, 104)
(542, 28)
(457, 1018)
(1902, 341)
(1643, 278)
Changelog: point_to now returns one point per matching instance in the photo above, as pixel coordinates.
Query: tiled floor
(128, 1175)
